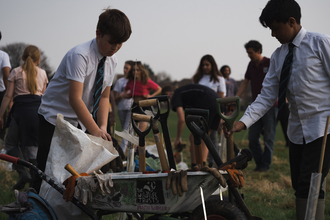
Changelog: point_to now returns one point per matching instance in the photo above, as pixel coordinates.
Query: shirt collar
(96, 49)
(300, 36)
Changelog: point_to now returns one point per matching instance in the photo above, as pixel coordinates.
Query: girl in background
(124, 105)
(26, 84)
(139, 86)
(207, 74)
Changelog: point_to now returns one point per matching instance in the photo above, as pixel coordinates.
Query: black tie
(285, 77)
(98, 86)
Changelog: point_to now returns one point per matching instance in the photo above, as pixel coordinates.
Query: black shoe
(21, 182)
(257, 169)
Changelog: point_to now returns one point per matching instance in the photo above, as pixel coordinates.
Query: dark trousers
(3, 131)
(46, 131)
(304, 160)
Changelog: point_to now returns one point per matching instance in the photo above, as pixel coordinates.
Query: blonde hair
(30, 56)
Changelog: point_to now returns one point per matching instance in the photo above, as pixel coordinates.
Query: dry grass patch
(278, 161)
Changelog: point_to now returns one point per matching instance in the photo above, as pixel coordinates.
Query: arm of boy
(6, 101)
(103, 112)
(77, 104)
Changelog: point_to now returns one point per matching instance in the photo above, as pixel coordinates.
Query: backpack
(29, 206)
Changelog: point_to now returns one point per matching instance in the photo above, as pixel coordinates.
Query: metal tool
(162, 118)
(229, 121)
(197, 140)
(155, 130)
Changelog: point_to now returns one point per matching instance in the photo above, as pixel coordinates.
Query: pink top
(19, 78)
(141, 89)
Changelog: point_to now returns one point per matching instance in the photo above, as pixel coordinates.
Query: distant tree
(163, 77)
(15, 52)
(147, 67)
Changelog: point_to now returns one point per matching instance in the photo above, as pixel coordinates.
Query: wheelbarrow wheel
(217, 210)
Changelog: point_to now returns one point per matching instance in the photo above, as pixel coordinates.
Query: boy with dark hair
(82, 82)
(299, 71)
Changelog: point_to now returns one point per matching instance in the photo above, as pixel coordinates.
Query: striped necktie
(98, 86)
(285, 77)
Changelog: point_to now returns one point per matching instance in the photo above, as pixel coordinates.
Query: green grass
(267, 195)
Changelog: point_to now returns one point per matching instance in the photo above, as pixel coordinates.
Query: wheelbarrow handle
(49, 180)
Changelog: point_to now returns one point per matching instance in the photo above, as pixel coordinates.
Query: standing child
(299, 71)
(26, 84)
(139, 86)
(208, 75)
(124, 105)
(76, 91)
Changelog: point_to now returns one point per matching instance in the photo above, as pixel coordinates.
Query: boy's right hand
(237, 127)
(103, 134)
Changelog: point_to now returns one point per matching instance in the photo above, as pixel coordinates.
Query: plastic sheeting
(85, 153)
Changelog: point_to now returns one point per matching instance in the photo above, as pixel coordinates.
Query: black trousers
(46, 131)
(304, 160)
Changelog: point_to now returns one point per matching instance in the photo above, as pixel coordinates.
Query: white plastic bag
(85, 153)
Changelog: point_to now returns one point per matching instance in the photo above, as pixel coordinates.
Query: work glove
(69, 184)
(178, 181)
(242, 159)
(216, 174)
(104, 182)
(236, 177)
(84, 189)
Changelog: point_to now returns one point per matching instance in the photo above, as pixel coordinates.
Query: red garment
(141, 89)
(256, 75)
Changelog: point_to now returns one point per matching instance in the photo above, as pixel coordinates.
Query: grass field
(267, 195)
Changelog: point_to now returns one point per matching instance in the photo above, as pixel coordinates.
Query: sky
(170, 36)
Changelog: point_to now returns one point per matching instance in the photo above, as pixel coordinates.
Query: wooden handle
(148, 102)
(140, 117)
(142, 159)
(230, 147)
(323, 144)
(69, 168)
(161, 152)
(199, 154)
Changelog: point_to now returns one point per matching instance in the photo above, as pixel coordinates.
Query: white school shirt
(4, 62)
(79, 64)
(308, 90)
(216, 86)
(124, 104)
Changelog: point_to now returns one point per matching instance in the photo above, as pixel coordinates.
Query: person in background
(139, 87)
(124, 105)
(208, 74)
(231, 85)
(4, 74)
(266, 125)
(76, 92)
(193, 96)
(26, 84)
(299, 72)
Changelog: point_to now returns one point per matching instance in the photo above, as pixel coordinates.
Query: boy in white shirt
(299, 71)
(71, 90)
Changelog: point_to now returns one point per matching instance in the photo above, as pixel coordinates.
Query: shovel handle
(69, 168)
(140, 117)
(323, 144)
(148, 102)
(142, 159)
(9, 158)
